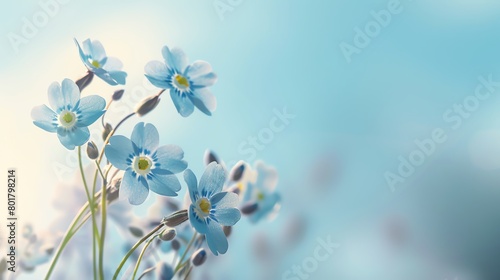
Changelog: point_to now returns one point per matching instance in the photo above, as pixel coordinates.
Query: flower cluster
(127, 167)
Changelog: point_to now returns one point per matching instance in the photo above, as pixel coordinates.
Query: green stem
(141, 256)
(125, 258)
(103, 223)
(185, 252)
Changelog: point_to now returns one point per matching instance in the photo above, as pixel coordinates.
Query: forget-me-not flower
(105, 67)
(147, 166)
(70, 116)
(262, 192)
(188, 84)
(210, 207)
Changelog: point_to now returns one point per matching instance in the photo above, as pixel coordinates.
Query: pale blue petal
(90, 109)
(198, 223)
(192, 183)
(266, 207)
(212, 180)
(224, 200)
(145, 136)
(167, 185)
(97, 51)
(204, 100)
(70, 92)
(87, 47)
(267, 178)
(158, 74)
(197, 69)
(83, 56)
(216, 239)
(75, 137)
(169, 157)
(56, 99)
(44, 118)
(204, 80)
(119, 77)
(227, 216)
(175, 59)
(135, 189)
(182, 103)
(159, 83)
(112, 64)
(105, 76)
(119, 151)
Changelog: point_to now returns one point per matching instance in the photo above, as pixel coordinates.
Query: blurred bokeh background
(352, 116)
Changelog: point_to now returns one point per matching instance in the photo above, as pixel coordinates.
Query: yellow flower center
(96, 63)
(143, 164)
(205, 205)
(68, 117)
(260, 196)
(182, 82)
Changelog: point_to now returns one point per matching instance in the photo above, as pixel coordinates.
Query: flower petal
(182, 103)
(224, 200)
(192, 183)
(119, 77)
(169, 157)
(119, 151)
(95, 49)
(145, 136)
(197, 69)
(83, 55)
(216, 239)
(198, 223)
(44, 118)
(90, 109)
(204, 100)
(175, 58)
(212, 180)
(135, 189)
(158, 74)
(70, 92)
(205, 80)
(75, 137)
(167, 185)
(113, 64)
(227, 216)
(266, 207)
(267, 177)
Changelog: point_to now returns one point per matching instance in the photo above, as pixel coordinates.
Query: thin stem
(138, 263)
(103, 223)
(105, 111)
(125, 258)
(161, 92)
(187, 274)
(185, 252)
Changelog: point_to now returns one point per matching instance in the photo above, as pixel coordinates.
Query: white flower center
(142, 165)
(204, 206)
(181, 82)
(67, 119)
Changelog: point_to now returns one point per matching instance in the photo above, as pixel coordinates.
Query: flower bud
(249, 208)
(107, 130)
(176, 218)
(210, 156)
(84, 81)
(117, 95)
(168, 234)
(176, 245)
(237, 172)
(227, 230)
(164, 271)
(137, 232)
(92, 150)
(199, 257)
(147, 105)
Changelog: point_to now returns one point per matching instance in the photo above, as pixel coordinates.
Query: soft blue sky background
(354, 118)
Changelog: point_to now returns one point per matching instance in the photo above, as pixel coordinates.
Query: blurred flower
(211, 207)
(70, 116)
(95, 59)
(188, 84)
(146, 165)
(262, 192)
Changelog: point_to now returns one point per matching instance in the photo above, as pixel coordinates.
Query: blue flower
(146, 165)
(262, 192)
(188, 84)
(70, 116)
(210, 207)
(107, 68)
